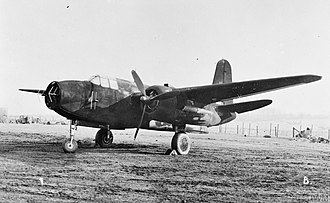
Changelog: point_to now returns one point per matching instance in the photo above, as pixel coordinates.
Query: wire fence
(270, 129)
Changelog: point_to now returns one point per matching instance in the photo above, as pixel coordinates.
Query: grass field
(219, 168)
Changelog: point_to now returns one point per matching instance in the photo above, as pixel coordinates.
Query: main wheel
(69, 147)
(181, 143)
(103, 139)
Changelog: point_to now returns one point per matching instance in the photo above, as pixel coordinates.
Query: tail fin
(222, 72)
(223, 75)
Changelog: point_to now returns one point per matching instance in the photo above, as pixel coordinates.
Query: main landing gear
(181, 142)
(104, 138)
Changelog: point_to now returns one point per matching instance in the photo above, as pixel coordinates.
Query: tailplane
(244, 106)
(223, 75)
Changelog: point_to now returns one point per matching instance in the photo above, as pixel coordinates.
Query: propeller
(138, 82)
(146, 99)
(140, 123)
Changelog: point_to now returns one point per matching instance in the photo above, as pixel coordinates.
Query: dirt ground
(219, 168)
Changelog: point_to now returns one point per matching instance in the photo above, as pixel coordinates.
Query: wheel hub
(106, 140)
(184, 144)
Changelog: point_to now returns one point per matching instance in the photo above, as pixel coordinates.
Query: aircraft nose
(69, 96)
(52, 95)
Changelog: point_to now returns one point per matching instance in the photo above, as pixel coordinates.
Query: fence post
(278, 129)
(249, 128)
(312, 129)
(225, 128)
(237, 130)
(293, 132)
(243, 128)
(328, 134)
(257, 130)
(270, 129)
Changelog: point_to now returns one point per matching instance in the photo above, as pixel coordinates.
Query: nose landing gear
(70, 145)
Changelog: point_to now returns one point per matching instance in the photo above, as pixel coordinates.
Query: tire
(181, 143)
(68, 147)
(102, 139)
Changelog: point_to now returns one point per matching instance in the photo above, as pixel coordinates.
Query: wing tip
(33, 91)
(312, 78)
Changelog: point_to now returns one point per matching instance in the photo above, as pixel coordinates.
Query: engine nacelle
(164, 110)
(201, 116)
(157, 89)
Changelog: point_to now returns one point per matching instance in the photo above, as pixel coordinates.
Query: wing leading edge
(222, 92)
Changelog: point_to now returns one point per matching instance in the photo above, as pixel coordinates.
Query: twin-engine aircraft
(111, 103)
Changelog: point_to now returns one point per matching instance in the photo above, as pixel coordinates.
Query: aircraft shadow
(49, 148)
(124, 148)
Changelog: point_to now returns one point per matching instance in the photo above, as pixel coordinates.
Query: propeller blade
(140, 123)
(33, 91)
(138, 82)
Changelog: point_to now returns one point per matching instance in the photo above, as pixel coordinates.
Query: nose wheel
(70, 145)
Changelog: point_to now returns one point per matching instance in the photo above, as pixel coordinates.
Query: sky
(175, 41)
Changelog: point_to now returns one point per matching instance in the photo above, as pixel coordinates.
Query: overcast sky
(176, 42)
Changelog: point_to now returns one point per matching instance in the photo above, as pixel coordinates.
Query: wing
(33, 91)
(221, 92)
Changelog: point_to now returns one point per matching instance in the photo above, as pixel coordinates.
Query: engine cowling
(164, 110)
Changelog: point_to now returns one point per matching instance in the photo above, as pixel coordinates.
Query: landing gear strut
(104, 138)
(70, 145)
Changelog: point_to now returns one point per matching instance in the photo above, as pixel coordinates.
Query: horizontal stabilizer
(244, 106)
(33, 91)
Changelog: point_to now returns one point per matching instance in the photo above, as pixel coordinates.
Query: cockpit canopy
(104, 81)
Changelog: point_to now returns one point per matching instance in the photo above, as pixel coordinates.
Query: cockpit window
(104, 81)
(95, 80)
(113, 83)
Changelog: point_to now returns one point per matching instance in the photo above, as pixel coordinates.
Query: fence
(272, 129)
